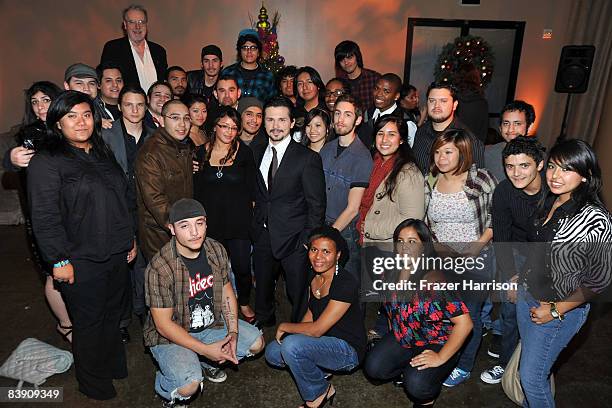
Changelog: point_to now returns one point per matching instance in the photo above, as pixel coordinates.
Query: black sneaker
(495, 346)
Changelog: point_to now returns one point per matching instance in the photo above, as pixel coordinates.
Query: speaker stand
(563, 133)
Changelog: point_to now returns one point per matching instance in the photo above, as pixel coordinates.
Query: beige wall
(40, 38)
(603, 146)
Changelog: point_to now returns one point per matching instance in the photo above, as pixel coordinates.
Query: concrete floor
(584, 377)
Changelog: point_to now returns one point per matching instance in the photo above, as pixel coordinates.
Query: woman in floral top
(427, 327)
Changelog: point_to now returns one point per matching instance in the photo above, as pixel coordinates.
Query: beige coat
(408, 202)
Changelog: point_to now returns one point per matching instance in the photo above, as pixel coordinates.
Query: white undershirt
(266, 160)
(145, 67)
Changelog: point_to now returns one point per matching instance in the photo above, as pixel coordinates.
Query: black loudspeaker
(574, 68)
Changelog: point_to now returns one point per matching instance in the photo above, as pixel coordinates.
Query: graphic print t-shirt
(201, 305)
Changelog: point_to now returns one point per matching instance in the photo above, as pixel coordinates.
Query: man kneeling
(194, 320)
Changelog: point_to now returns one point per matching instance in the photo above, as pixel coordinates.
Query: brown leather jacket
(163, 175)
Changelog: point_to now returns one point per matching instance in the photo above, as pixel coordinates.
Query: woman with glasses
(428, 327)
(225, 186)
(317, 129)
(335, 88)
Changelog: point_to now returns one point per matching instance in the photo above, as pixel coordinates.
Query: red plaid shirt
(362, 88)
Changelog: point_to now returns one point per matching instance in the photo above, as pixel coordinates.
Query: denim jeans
(541, 344)
(474, 305)
(179, 366)
(307, 357)
(388, 359)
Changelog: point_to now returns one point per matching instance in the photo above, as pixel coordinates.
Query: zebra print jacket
(579, 256)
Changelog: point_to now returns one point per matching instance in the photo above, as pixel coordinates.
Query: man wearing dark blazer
(289, 203)
(142, 62)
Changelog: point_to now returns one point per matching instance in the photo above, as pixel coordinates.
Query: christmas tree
(270, 58)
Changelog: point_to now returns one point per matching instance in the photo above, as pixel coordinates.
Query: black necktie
(273, 168)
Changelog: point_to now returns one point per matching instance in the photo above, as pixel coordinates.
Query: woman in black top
(570, 262)
(224, 185)
(331, 335)
(82, 224)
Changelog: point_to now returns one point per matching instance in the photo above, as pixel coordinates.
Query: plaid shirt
(362, 88)
(261, 86)
(479, 187)
(167, 286)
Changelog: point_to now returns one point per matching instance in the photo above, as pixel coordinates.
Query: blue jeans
(179, 366)
(474, 305)
(541, 345)
(307, 357)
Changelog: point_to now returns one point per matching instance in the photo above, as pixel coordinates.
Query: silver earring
(584, 179)
(337, 268)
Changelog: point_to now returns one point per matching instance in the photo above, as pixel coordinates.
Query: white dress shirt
(266, 160)
(145, 67)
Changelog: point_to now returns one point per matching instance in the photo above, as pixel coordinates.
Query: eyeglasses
(136, 22)
(176, 118)
(232, 129)
(249, 48)
(336, 93)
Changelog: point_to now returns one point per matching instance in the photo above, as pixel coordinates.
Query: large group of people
(178, 197)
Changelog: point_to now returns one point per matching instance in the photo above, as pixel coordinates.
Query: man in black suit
(142, 62)
(289, 203)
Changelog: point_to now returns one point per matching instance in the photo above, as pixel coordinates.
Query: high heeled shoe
(326, 399)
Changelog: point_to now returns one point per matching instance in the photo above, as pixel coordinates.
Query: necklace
(219, 172)
(317, 292)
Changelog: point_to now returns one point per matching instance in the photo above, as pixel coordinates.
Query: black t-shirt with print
(201, 303)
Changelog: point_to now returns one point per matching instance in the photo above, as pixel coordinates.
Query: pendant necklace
(219, 172)
(317, 292)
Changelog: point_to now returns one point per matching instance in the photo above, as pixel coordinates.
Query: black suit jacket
(120, 52)
(296, 203)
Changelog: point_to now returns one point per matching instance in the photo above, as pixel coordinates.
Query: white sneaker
(493, 375)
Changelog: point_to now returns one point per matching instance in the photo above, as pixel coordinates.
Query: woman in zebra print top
(570, 265)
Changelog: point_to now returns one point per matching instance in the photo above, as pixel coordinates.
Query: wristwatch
(554, 312)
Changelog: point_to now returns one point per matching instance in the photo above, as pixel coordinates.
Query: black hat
(186, 208)
(212, 49)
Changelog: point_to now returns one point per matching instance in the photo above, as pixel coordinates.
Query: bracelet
(234, 332)
(61, 263)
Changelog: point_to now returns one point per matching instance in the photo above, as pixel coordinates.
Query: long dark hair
(225, 112)
(325, 117)
(576, 155)
(55, 141)
(316, 80)
(47, 88)
(404, 154)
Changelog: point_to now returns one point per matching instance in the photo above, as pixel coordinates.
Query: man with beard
(177, 79)
(289, 203)
(125, 139)
(517, 119)
(159, 93)
(441, 105)
(227, 93)
(251, 115)
(252, 78)
(202, 81)
(110, 83)
(142, 62)
(164, 174)
(347, 165)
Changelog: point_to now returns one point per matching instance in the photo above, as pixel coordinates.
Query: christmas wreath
(464, 50)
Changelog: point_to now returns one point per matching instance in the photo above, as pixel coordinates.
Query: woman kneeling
(331, 336)
(428, 328)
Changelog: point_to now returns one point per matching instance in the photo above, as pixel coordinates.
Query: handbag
(511, 381)
(33, 361)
